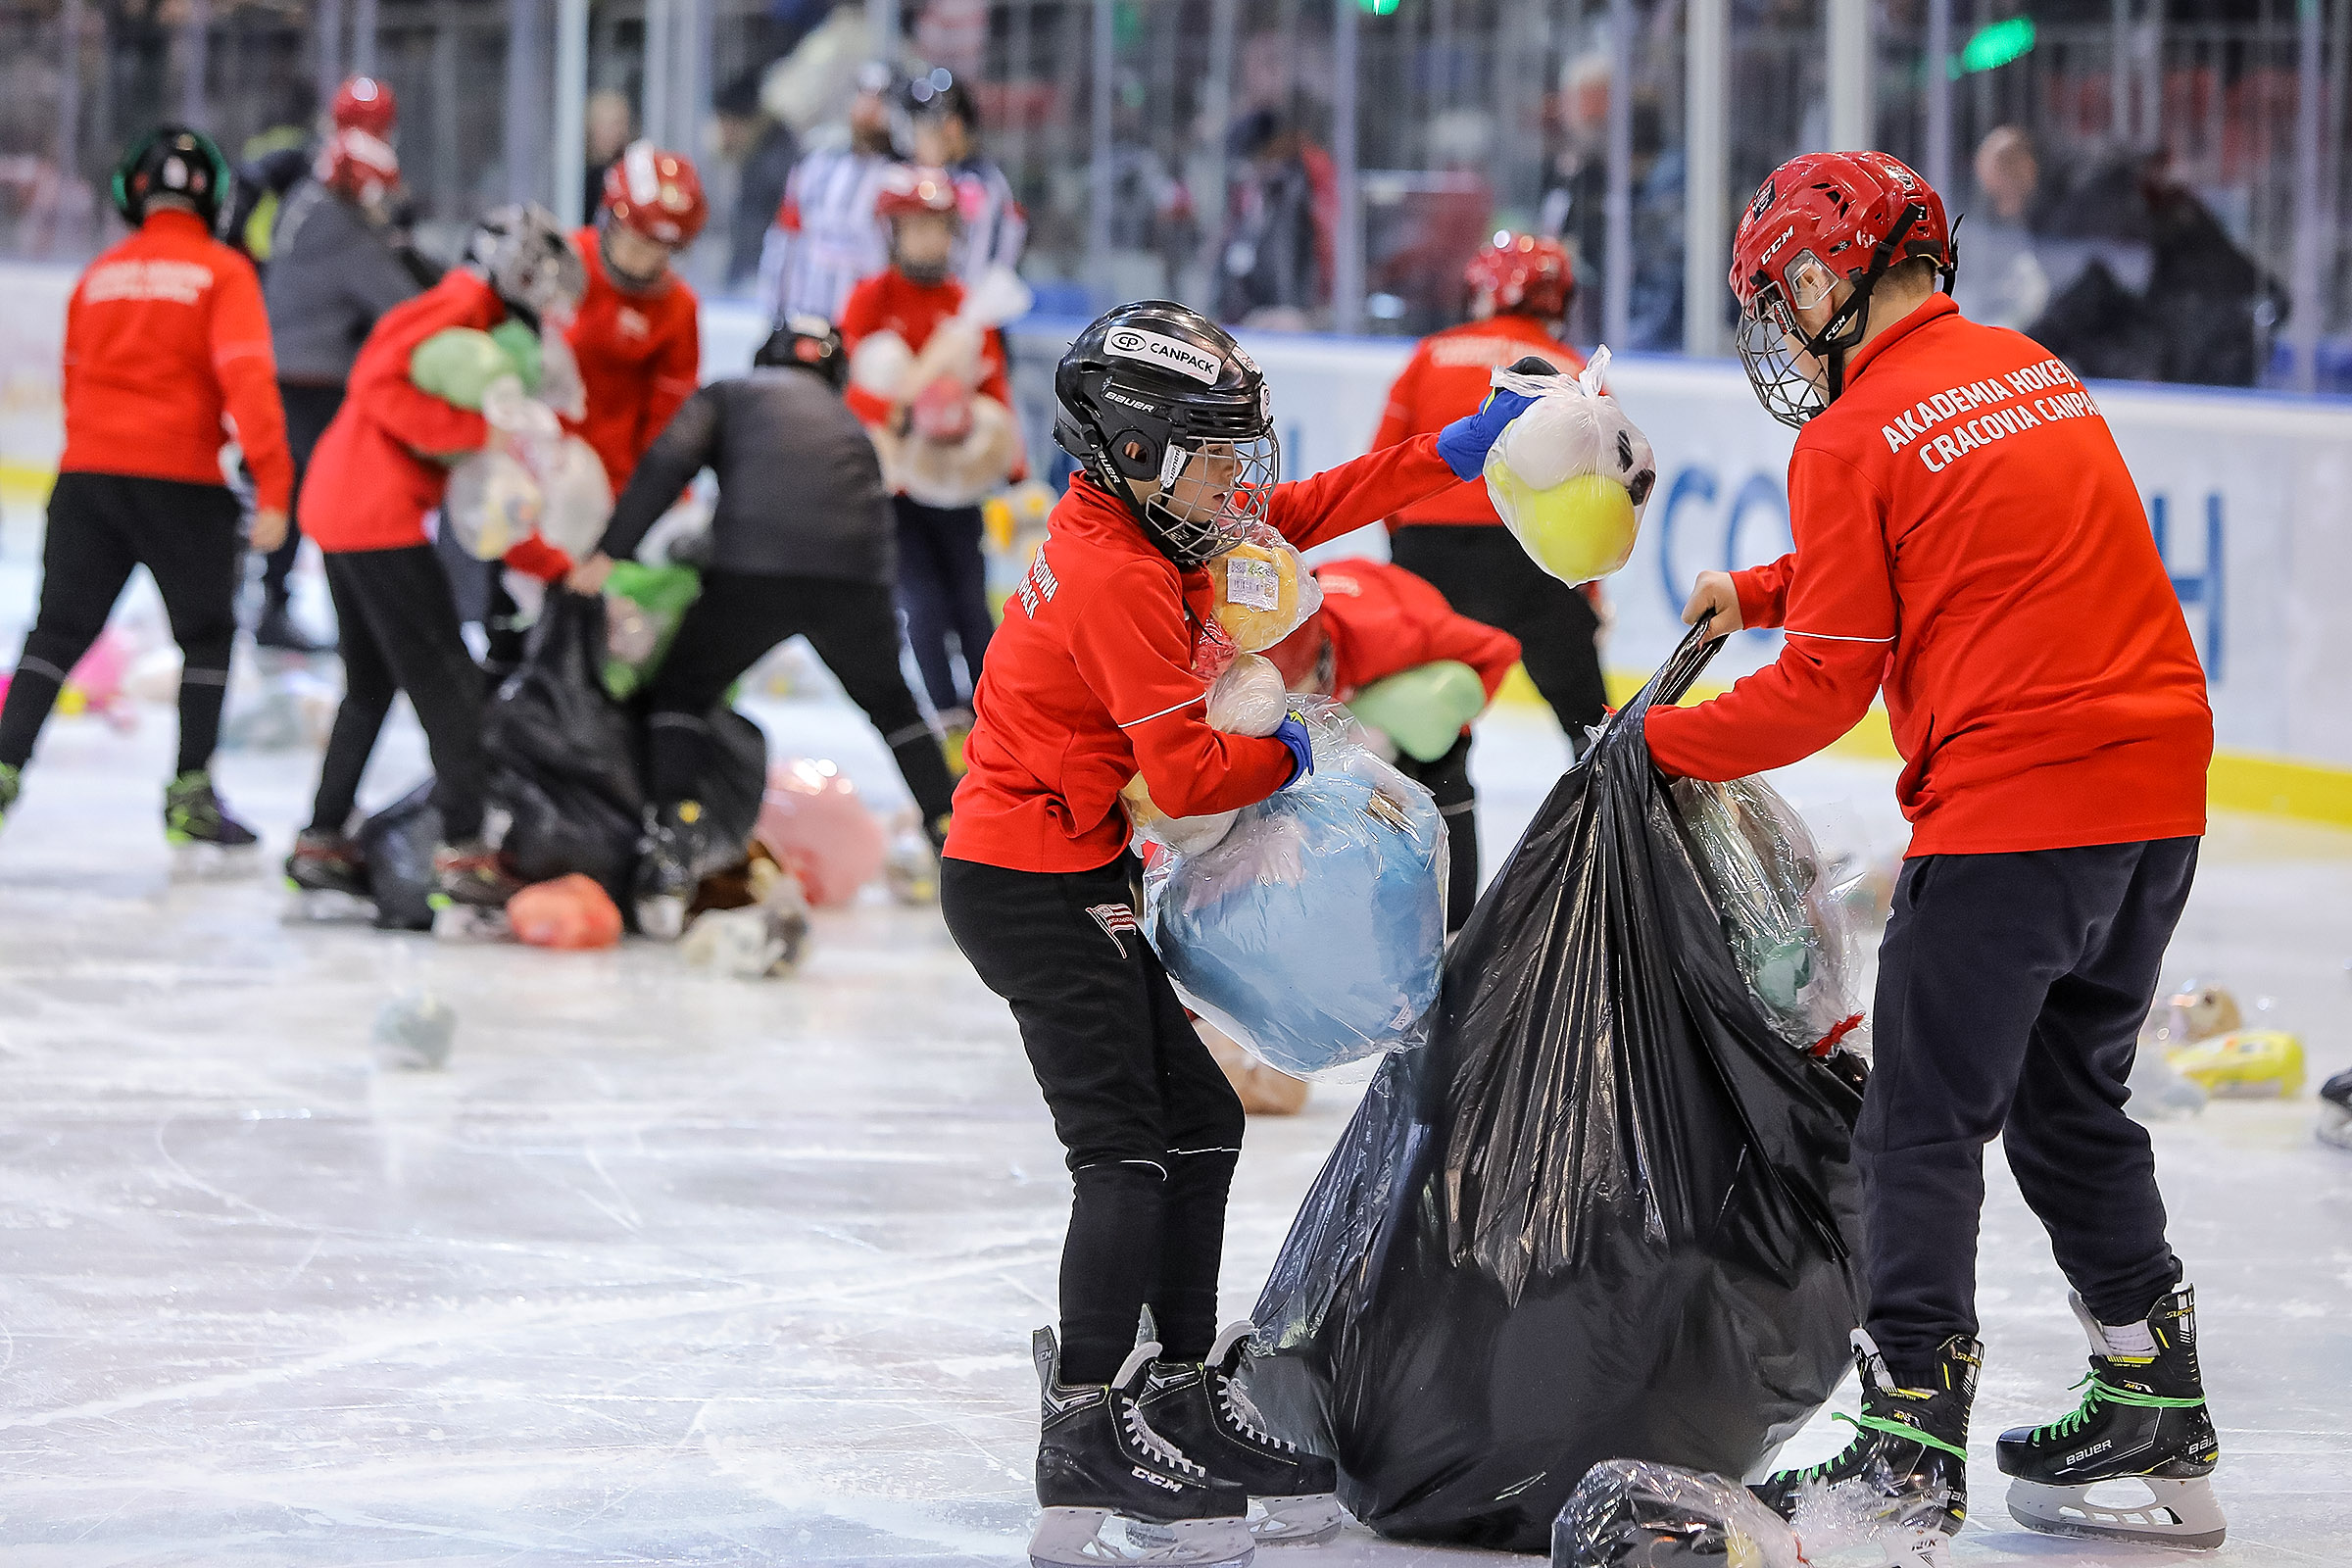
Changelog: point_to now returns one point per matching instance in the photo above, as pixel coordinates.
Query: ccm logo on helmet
(1151, 348)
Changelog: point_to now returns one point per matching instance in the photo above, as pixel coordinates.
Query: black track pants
(1150, 1125)
(400, 634)
(1485, 575)
(2011, 993)
(101, 526)
(942, 586)
(1448, 780)
(309, 412)
(731, 627)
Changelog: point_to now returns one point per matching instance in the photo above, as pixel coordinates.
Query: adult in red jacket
(1379, 621)
(1519, 289)
(1970, 542)
(165, 338)
(381, 467)
(637, 334)
(942, 581)
(1094, 676)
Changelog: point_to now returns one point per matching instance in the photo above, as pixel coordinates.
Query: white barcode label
(1252, 583)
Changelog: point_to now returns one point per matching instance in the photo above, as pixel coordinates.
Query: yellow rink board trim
(2237, 781)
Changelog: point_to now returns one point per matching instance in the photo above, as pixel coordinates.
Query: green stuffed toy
(1423, 709)
(458, 364)
(643, 607)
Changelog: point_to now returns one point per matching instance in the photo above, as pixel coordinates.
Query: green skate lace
(1878, 1423)
(2066, 1426)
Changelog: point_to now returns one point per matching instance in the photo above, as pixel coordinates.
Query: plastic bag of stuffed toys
(1788, 929)
(531, 477)
(1571, 475)
(1311, 927)
(1632, 1513)
(959, 444)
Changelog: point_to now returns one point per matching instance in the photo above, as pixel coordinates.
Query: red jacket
(1380, 620)
(1969, 539)
(164, 336)
(891, 301)
(640, 356)
(1090, 679)
(1446, 380)
(376, 472)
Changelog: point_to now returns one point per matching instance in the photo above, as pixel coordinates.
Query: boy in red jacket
(166, 337)
(942, 581)
(1969, 541)
(1094, 676)
(637, 334)
(1379, 621)
(381, 467)
(1519, 289)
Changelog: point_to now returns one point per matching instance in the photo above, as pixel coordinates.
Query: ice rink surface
(674, 1269)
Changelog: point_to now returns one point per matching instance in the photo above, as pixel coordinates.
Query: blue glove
(1464, 443)
(1291, 732)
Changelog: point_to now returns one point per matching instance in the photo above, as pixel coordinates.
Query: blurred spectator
(2001, 281)
(763, 151)
(810, 90)
(946, 131)
(2214, 309)
(1655, 304)
(1282, 208)
(612, 125)
(1575, 202)
(826, 235)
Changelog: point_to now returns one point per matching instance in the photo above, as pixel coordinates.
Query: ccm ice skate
(1099, 1460)
(1202, 1408)
(2142, 1419)
(205, 840)
(1903, 1481)
(328, 873)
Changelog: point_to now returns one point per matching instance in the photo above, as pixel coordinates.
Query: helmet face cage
(1211, 491)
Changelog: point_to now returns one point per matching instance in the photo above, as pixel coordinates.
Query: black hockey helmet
(805, 343)
(1158, 393)
(173, 160)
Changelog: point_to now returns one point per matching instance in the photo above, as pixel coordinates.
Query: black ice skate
(1200, 1407)
(1098, 1459)
(2335, 1125)
(204, 838)
(277, 630)
(470, 875)
(2142, 1418)
(329, 874)
(1906, 1471)
(672, 862)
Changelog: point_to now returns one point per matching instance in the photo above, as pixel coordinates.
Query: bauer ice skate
(328, 875)
(2143, 1420)
(205, 840)
(1098, 1462)
(1903, 1480)
(1202, 1408)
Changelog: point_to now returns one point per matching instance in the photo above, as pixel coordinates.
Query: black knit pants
(1485, 575)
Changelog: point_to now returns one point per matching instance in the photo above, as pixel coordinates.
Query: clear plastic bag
(1263, 590)
(1790, 934)
(1571, 477)
(1634, 1513)
(1312, 931)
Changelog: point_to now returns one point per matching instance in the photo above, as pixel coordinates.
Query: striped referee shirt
(826, 236)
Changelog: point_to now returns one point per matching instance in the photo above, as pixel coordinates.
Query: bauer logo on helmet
(1128, 343)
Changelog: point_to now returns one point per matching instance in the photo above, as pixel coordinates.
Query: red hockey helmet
(907, 190)
(657, 193)
(1819, 221)
(1523, 274)
(367, 103)
(359, 165)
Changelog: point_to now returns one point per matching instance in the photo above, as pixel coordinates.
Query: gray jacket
(332, 273)
(799, 489)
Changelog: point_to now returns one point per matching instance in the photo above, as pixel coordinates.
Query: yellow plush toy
(1256, 588)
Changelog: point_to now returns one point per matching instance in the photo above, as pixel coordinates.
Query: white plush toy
(1571, 475)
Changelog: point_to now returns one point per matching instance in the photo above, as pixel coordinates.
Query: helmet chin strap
(1843, 329)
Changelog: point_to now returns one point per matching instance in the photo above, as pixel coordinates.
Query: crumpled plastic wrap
(1313, 930)
(1261, 590)
(1571, 475)
(1605, 1212)
(1790, 934)
(1632, 1513)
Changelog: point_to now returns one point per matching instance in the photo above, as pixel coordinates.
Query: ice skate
(671, 864)
(1202, 1408)
(205, 841)
(1098, 1462)
(2142, 1423)
(328, 876)
(2335, 1125)
(11, 784)
(912, 869)
(276, 630)
(1905, 1475)
(473, 874)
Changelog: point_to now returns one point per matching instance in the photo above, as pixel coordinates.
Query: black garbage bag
(398, 842)
(1604, 1213)
(562, 755)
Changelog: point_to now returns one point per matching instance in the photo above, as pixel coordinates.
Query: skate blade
(661, 919)
(2181, 1514)
(215, 862)
(2335, 1126)
(1308, 1520)
(1074, 1538)
(470, 922)
(328, 907)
